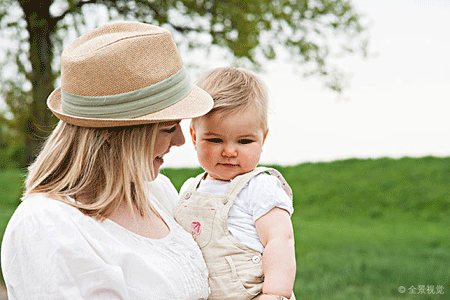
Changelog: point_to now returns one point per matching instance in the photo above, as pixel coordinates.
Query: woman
(96, 221)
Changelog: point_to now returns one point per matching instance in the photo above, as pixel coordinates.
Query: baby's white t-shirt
(258, 197)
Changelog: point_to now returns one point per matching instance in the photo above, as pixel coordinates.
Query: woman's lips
(160, 158)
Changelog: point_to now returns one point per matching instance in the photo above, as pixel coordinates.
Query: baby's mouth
(228, 165)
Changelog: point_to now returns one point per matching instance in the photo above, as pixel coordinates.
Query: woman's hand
(267, 297)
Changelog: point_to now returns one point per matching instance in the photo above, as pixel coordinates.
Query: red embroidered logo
(196, 228)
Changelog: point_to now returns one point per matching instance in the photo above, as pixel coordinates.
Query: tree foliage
(251, 32)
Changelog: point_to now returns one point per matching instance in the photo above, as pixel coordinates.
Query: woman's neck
(151, 226)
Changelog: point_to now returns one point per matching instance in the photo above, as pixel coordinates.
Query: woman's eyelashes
(170, 130)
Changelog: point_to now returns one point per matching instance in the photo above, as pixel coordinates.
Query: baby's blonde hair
(98, 168)
(234, 90)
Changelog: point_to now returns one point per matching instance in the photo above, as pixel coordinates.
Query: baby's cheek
(205, 157)
(254, 159)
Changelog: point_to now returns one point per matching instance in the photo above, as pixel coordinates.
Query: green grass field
(364, 228)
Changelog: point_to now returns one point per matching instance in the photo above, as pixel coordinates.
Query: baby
(238, 213)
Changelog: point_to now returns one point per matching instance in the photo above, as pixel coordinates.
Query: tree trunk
(39, 29)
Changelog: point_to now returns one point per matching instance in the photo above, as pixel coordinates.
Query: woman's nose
(178, 137)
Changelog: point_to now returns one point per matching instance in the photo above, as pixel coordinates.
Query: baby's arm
(276, 234)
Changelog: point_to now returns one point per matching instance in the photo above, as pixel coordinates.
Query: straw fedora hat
(122, 74)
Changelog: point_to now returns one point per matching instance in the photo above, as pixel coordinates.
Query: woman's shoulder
(39, 208)
(40, 204)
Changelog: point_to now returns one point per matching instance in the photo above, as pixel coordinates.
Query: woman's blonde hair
(98, 168)
(234, 90)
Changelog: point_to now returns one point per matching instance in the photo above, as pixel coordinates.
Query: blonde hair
(98, 168)
(234, 90)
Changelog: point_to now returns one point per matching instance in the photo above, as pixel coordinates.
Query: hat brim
(195, 104)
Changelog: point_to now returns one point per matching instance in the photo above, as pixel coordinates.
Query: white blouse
(51, 250)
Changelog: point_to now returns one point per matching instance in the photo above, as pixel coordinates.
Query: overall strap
(195, 182)
(238, 183)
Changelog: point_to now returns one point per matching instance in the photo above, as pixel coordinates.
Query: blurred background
(394, 103)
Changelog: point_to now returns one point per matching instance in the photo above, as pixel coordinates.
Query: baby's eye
(245, 141)
(214, 140)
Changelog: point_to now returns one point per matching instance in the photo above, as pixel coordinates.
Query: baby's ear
(265, 135)
(193, 136)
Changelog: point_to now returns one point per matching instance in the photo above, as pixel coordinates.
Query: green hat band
(131, 104)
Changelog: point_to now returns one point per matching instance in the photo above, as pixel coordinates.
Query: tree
(252, 31)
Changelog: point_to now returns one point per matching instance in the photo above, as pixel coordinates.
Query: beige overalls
(235, 270)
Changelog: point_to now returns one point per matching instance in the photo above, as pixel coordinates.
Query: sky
(396, 105)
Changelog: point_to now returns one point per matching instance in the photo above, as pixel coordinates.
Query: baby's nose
(229, 151)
